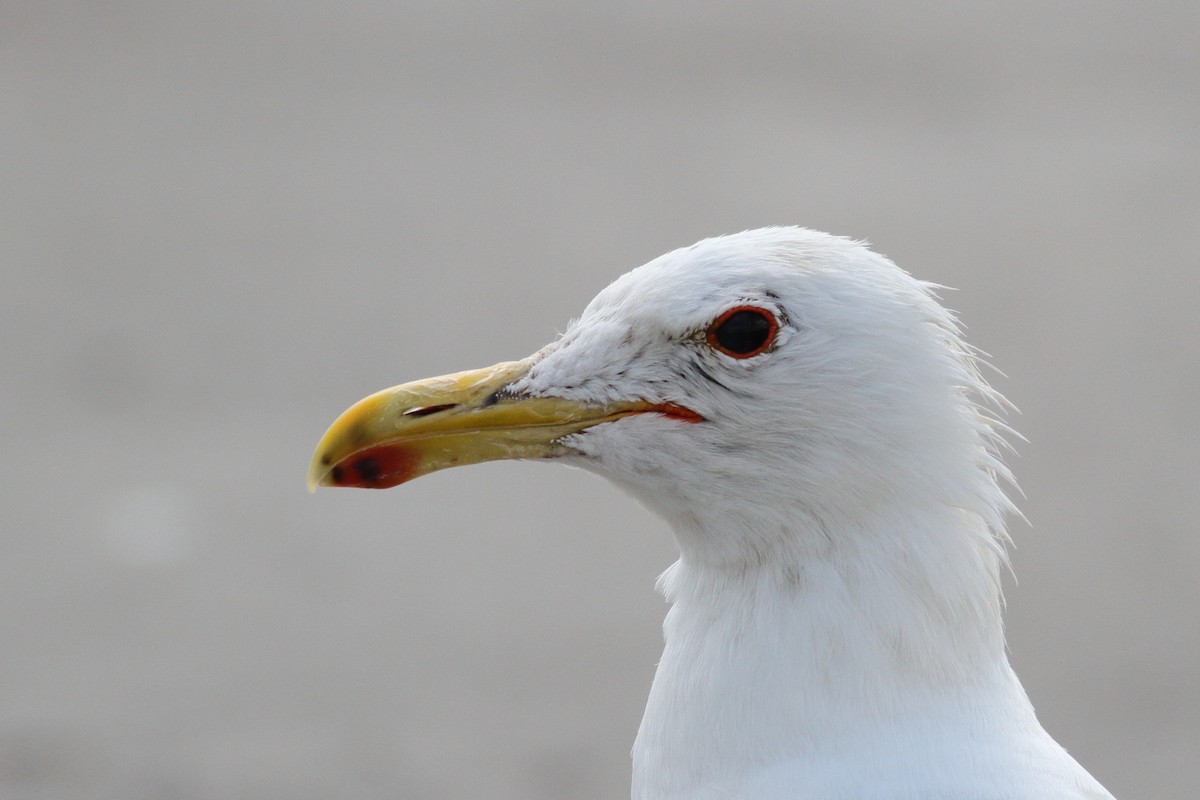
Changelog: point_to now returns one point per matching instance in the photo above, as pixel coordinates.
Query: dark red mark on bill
(376, 468)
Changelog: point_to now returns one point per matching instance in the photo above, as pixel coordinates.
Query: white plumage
(835, 629)
(835, 625)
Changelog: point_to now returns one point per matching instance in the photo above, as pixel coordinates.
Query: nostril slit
(424, 411)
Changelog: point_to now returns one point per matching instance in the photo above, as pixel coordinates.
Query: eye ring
(743, 331)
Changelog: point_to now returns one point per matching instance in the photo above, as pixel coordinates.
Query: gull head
(757, 390)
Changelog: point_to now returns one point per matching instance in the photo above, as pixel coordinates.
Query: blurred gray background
(225, 221)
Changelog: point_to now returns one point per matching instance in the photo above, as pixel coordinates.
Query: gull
(809, 420)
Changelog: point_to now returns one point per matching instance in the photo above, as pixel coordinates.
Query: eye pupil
(743, 332)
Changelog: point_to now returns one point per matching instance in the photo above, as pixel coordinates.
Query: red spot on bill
(377, 468)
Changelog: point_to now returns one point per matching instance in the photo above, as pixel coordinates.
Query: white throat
(804, 665)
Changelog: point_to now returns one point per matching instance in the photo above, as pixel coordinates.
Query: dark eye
(743, 332)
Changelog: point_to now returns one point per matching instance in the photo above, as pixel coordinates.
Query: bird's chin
(630, 454)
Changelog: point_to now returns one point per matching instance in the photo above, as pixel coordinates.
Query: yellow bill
(453, 420)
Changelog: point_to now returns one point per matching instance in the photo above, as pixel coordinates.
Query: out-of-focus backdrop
(225, 221)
